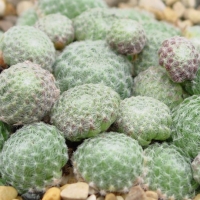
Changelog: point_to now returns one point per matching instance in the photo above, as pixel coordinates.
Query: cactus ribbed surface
(144, 119)
(58, 27)
(27, 93)
(110, 162)
(32, 158)
(86, 110)
(21, 43)
(168, 172)
(154, 82)
(86, 62)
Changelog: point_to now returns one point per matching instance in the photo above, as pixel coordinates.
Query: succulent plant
(27, 18)
(94, 23)
(32, 158)
(168, 172)
(154, 82)
(126, 36)
(58, 27)
(186, 130)
(69, 8)
(86, 62)
(86, 110)
(110, 162)
(5, 131)
(21, 43)
(180, 58)
(27, 93)
(144, 119)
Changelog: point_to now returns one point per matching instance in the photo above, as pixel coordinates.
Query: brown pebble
(136, 193)
(179, 8)
(119, 198)
(5, 25)
(110, 196)
(7, 193)
(52, 194)
(170, 15)
(192, 15)
(197, 197)
(151, 194)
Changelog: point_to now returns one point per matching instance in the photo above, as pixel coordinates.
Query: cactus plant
(126, 36)
(110, 162)
(86, 62)
(32, 158)
(27, 93)
(86, 110)
(5, 131)
(144, 119)
(58, 27)
(21, 43)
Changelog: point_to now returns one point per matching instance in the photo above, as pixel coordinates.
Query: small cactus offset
(110, 162)
(168, 172)
(58, 27)
(32, 158)
(27, 93)
(86, 110)
(180, 58)
(126, 36)
(144, 119)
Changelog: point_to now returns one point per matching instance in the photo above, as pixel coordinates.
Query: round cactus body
(186, 130)
(154, 82)
(69, 8)
(126, 36)
(21, 43)
(180, 58)
(59, 29)
(85, 111)
(27, 93)
(110, 162)
(168, 172)
(144, 119)
(95, 23)
(32, 158)
(86, 62)
(4, 133)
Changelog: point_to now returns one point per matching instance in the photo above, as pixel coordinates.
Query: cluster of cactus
(119, 83)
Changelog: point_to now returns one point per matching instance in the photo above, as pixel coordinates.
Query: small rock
(11, 18)
(52, 194)
(92, 197)
(189, 3)
(151, 194)
(7, 193)
(18, 198)
(5, 25)
(64, 186)
(170, 15)
(179, 8)
(119, 198)
(136, 193)
(2, 7)
(75, 191)
(10, 9)
(170, 2)
(197, 197)
(32, 195)
(110, 196)
(192, 15)
(23, 6)
(100, 198)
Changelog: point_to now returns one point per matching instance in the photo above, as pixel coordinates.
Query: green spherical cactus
(21, 43)
(144, 119)
(58, 27)
(5, 131)
(94, 23)
(110, 162)
(93, 62)
(154, 82)
(27, 18)
(27, 93)
(168, 172)
(86, 110)
(186, 130)
(126, 36)
(180, 58)
(69, 8)
(32, 158)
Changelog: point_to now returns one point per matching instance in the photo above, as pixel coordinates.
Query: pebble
(75, 191)
(5, 25)
(192, 15)
(52, 194)
(136, 193)
(2, 7)
(92, 197)
(110, 196)
(18, 198)
(189, 3)
(64, 186)
(7, 193)
(32, 195)
(119, 198)
(23, 6)
(179, 8)
(101, 198)
(170, 15)
(170, 2)
(197, 197)
(151, 194)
